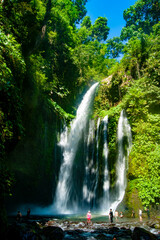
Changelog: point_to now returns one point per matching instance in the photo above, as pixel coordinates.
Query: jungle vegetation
(50, 50)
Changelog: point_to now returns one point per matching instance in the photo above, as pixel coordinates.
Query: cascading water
(124, 136)
(69, 142)
(82, 149)
(97, 160)
(88, 184)
(106, 183)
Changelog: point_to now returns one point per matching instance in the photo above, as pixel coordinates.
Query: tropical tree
(100, 30)
(86, 22)
(114, 47)
(141, 16)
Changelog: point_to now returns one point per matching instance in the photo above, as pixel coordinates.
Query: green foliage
(148, 185)
(11, 72)
(11, 56)
(86, 22)
(80, 6)
(40, 8)
(129, 32)
(100, 30)
(84, 35)
(134, 85)
(7, 181)
(136, 53)
(91, 60)
(144, 159)
(140, 102)
(143, 15)
(101, 104)
(60, 111)
(17, 19)
(153, 61)
(114, 47)
(73, 10)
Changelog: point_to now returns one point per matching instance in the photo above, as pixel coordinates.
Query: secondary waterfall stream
(123, 136)
(84, 177)
(124, 130)
(106, 185)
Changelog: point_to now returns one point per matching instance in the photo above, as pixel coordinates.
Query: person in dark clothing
(28, 212)
(19, 216)
(111, 215)
(133, 214)
(148, 213)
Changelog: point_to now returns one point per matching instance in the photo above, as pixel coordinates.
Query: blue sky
(112, 10)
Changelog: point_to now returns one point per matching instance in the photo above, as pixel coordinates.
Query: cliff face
(35, 160)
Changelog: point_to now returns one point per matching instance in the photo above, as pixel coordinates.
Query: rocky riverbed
(41, 228)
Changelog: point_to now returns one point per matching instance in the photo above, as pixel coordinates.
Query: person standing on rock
(121, 215)
(111, 216)
(28, 212)
(19, 216)
(140, 215)
(89, 217)
(148, 213)
(133, 214)
(116, 215)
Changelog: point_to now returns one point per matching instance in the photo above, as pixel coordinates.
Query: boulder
(14, 232)
(154, 224)
(52, 233)
(141, 233)
(75, 235)
(22, 231)
(104, 237)
(113, 230)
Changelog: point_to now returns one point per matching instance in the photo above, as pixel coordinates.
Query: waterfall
(123, 134)
(88, 184)
(69, 143)
(89, 141)
(106, 182)
(97, 160)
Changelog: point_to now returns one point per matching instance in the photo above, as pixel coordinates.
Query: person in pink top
(89, 217)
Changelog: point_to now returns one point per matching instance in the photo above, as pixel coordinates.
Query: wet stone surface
(55, 229)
